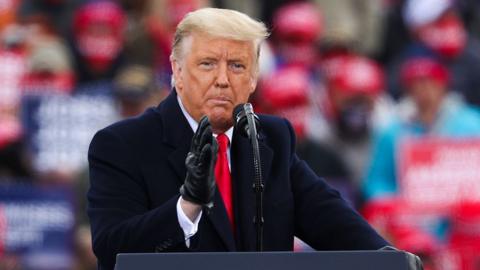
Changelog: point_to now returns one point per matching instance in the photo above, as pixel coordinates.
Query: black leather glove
(414, 262)
(199, 185)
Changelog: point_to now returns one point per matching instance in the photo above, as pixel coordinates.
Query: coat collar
(177, 129)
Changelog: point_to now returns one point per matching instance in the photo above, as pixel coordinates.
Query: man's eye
(206, 64)
(237, 66)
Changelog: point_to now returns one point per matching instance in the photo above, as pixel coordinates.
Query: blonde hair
(216, 22)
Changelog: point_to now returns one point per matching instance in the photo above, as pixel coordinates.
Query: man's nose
(221, 80)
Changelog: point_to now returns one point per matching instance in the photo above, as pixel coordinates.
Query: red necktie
(222, 176)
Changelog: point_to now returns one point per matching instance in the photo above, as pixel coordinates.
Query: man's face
(427, 93)
(353, 114)
(213, 76)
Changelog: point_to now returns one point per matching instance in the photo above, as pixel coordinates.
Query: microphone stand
(258, 183)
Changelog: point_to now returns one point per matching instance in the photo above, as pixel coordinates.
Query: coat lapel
(219, 219)
(178, 134)
(243, 178)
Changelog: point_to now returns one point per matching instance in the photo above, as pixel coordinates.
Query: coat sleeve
(323, 219)
(118, 206)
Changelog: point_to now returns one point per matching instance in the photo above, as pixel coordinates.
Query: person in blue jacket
(429, 109)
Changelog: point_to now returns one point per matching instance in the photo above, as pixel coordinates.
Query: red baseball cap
(301, 22)
(107, 12)
(286, 87)
(353, 74)
(423, 67)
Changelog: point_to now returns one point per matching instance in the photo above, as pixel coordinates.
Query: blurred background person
(297, 28)
(428, 109)
(352, 107)
(286, 93)
(357, 25)
(150, 33)
(135, 90)
(436, 28)
(98, 31)
(15, 163)
(48, 69)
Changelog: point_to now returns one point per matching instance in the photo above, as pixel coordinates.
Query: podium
(326, 260)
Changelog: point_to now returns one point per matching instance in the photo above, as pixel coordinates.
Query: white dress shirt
(190, 228)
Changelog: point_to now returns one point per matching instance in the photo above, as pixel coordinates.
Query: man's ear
(253, 84)
(177, 74)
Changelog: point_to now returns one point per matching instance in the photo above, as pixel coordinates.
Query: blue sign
(59, 128)
(36, 225)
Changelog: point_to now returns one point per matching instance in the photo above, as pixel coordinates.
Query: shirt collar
(194, 125)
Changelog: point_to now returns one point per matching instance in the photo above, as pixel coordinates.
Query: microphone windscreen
(237, 111)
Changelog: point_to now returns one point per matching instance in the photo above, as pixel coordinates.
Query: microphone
(247, 123)
(242, 115)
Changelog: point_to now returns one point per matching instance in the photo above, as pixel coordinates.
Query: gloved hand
(199, 185)
(414, 262)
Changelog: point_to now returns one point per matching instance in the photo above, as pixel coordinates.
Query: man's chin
(220, 124)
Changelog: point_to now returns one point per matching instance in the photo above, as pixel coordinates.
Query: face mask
(353, 121)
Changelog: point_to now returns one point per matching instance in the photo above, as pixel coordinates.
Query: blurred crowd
(355, 78)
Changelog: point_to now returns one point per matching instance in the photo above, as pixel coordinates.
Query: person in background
(356, 25)
(437, 30)
(135, 90)
(13, 61)
(286, 93)
(49, 74)
(297, 28)
(429, 108)
(149, 37)
(15, 163)
(352, 107)
(49, 69)
(97, 42)
(396, 36)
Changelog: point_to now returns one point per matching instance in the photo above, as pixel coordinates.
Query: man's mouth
(220, 100)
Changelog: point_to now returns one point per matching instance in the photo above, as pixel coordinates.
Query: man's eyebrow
(238, 59)
(208, 53)
(210, 58)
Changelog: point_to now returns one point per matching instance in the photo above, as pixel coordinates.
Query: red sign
(438, 173)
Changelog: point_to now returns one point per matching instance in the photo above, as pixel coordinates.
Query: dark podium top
(327, 260)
